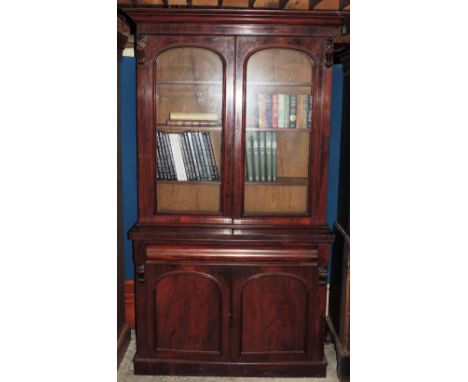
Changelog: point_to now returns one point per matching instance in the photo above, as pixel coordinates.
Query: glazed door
(187, 311)
(280, 130)
(276, 314)
(185, 119)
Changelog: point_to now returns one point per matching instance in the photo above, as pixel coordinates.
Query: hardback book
(286, 111)
(268, 111)
(169, 157)
(249, 156)
(205, 155)
(161, 175)
(201, 157)
(256, 156)
(189, 155)
(309, 112)
(280, 111)
(274, 111)
(195, 159)
(273, 157)
(214, 167)
(292, 111)
(192, 123)
(262, 151)
(261, 111)
(179, 164)
(193, 116)
(305, 108)
(268, 156)
(188, 170)
(300, 108)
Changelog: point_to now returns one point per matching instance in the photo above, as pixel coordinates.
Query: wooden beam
(313, 4)
(343, 3)
(251, 3)
(283, 3)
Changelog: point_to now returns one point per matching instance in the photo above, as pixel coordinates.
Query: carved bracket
(140, 273)
(329, 52)
(322, 275)
(140, 48)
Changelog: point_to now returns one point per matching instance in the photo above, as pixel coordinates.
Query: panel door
(282, 117)
(277, 314)
(187, 311)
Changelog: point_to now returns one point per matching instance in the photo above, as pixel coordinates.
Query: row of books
(186, 156)
(193, 119)
(284, 111)
(261, 156)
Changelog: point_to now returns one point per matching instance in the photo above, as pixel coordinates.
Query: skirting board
(122, 343)
(342, 357)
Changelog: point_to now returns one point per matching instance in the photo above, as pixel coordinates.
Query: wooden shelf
(190, 182)
(281, 182)
(189, 82)
(262, 83)
(188, 128)
(282, 130)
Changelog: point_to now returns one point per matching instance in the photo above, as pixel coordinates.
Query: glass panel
(277, 137)
(189, 103)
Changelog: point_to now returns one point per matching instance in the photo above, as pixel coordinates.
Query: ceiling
(298, 5)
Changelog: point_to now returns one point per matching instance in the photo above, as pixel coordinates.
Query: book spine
(249, 156)
(188, 156)
(280, 111)
(274, 111)
(268, 111)
(188, 123)
(273, 157)
(309, 112)
(261, 111)
(292, 111)
(268, 156)
(159, 173)
(193, 149)
(286, 111)
(170, 165)
(214, 168)
(180, 170)
(256, 156)
(187, 168)
(300, 107)
(203, 156)
(261, 145)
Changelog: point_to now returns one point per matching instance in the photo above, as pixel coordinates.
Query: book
(179, 164)
(256, 156)
(249, 156)
(261, 147)
(211, 155)
(204, 155)
(268, 111)
(192, 123)
(280, 111)
(268, 157)
(274, 111)
(168, 157)
(286, 111)
(189, 155)
(309, 112)
(193, 149)
(273, 157)
(193, 116)
(292, 111)
(188, 170)
(299, 111)
(261, 111)
(200, 158)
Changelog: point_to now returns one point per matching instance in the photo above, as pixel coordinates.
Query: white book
(179, 163)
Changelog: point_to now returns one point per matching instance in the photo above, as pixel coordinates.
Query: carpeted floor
(125, 373)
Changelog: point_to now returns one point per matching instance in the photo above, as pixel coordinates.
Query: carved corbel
(140, 48)
(329, 52)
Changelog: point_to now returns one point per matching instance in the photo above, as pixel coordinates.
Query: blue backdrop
(129, 153)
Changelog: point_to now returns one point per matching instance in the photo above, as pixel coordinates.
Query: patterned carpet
(125, 373)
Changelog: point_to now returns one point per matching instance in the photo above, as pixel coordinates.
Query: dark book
(188, 169)
(261, 145)
(292, 111)
(195, 157)
(249, 156)
(286, 111)
(164, 157)
(159, 171)
(190, 158)
(169, 157)
(268, 111)
(212, 158)
(268, 156)
(273, 157)
(202, 156)
(256, 156)
(309, 112)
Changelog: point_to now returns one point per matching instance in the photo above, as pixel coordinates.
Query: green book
(261, 144)
(286, 111)
(273, 157)
(280, 111)
(268, 157)
(256, 157)
(249, 156)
